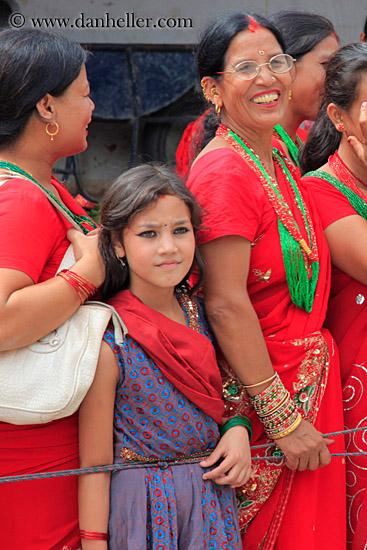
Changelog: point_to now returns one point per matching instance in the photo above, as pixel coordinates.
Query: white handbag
(47, 380)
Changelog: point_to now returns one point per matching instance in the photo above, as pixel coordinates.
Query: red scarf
(185, 357)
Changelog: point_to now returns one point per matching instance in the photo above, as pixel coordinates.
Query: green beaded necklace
(79, 219)
(291, 146)
(358, 203)
(301, 261)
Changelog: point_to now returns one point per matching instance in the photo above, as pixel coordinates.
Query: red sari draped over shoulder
(279, 508)
(347, 320)
(185, 357)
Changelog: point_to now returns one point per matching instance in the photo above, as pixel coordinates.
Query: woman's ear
(336, 116)
(46, 108)
(210, 91)
(117, 246)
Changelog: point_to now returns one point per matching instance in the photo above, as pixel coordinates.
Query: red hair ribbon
(253, 24)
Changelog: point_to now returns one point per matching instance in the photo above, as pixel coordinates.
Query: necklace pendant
(305, 247)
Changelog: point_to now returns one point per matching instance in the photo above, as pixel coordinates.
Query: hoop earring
(217, 109)
(52, 134)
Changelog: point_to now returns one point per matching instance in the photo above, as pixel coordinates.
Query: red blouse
(32, 232)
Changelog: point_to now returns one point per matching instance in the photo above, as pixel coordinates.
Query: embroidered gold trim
(192, 311)
(132, 456)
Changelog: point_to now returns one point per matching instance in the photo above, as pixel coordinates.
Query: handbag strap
(61, 209)
(120, 329)
(15, 171)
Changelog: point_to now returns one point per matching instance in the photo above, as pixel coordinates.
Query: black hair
(365, 28)
(33, 63)
(343, 76)
(211, 52)
(132, 193)
(302, 31)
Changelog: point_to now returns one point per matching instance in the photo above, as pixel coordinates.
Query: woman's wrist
(91, 268)
(84, 288)
(238, 420)
(257, 388)
(276, 410)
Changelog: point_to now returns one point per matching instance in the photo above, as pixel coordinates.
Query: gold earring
(290, 94)
(217, 109)
(203, 88)
(213, 90)
(52, 134)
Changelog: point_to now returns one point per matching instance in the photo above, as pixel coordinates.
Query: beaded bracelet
(93, 535)
(289, 430)
(282, 412)
(288, 426)
(277, 405)
(239, 420)
(83, 287)
(276, 410)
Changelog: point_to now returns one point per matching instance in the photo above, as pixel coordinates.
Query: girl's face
(351, 118)
(308, 85)
(159, 245)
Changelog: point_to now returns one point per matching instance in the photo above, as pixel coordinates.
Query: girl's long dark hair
(132, 193)
(302, 31)
(343, 76)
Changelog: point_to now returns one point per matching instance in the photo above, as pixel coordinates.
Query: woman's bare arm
(28, 311)
(240, 338)
(347, 240)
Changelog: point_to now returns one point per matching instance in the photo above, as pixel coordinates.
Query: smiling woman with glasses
(247, 70)
(266, 288)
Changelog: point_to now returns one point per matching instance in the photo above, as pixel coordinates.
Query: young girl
(157, 399)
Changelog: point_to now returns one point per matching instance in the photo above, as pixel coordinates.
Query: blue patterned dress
(164, 508)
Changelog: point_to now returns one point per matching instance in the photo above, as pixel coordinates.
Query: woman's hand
(89, 262)
(360, 146)
(234, 449)
(305, 448)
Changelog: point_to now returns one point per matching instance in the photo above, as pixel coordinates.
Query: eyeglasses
(246, 70)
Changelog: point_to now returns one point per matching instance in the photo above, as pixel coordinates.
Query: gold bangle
(281, 404)
(288, 430)
(262, 382)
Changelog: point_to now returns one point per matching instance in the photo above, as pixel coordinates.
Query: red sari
(279, 509)
(41, 514)
(347, 321)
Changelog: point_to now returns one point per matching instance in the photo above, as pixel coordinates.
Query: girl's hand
(360, 147)
(234, 449)
(89, 260)
(305, 448)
